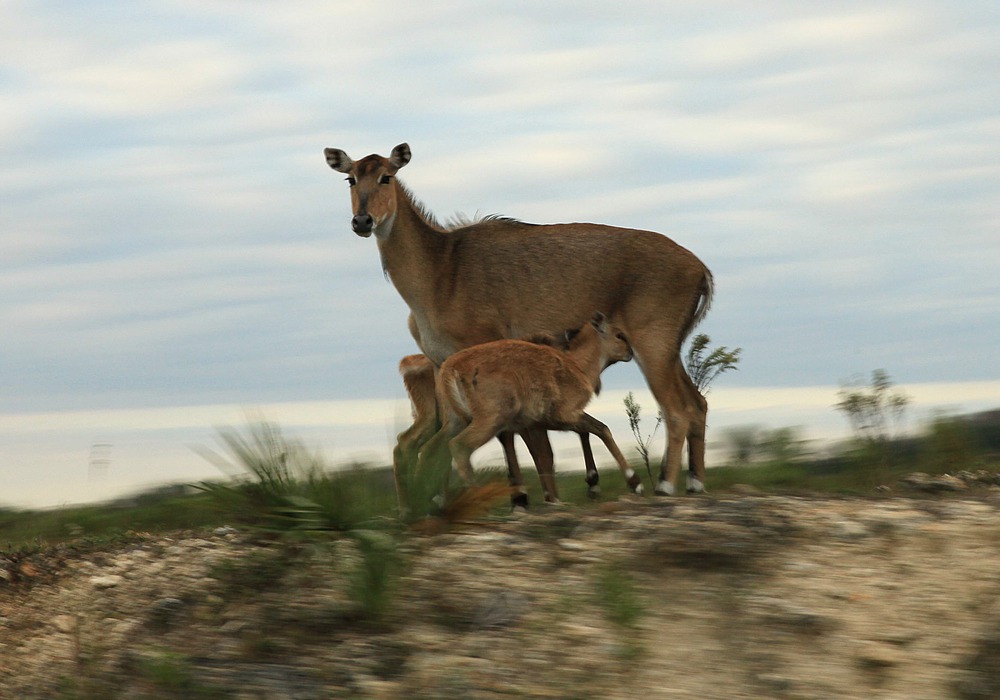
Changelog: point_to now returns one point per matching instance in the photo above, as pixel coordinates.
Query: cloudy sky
(174, 249)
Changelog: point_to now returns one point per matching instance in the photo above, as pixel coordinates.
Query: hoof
(694, 485)
(594, 492)
(664, 488)
(634, 482)
(519, 500)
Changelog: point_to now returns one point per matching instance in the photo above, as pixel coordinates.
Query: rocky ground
(735, 596)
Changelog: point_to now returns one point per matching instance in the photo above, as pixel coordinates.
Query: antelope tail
(701, 304)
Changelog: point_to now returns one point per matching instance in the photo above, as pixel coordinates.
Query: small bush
(277, 485)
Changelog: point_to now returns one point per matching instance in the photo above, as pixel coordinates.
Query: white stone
(65, 623)
(109, 581)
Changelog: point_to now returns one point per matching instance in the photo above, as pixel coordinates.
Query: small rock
(933, 484)
(878, 655)
(102, 582)
(775, 682)
(163, 612)
(502, 609)
(849, 530)
(65, 623)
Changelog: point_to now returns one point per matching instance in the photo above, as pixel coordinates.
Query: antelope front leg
(596, 427)
(593, 477)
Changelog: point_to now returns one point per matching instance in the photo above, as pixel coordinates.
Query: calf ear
(338, 160)
(400, 156)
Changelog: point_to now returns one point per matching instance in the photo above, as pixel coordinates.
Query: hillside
(737, 596)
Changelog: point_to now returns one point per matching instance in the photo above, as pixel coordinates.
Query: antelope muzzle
(362, 224)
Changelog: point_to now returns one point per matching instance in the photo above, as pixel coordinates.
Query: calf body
(514, 385)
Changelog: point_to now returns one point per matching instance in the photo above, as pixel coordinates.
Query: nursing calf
(515, 385)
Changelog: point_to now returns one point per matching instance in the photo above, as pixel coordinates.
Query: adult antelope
(511, 385)
(502, 278)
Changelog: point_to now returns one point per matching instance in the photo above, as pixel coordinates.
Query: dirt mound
(718, 597)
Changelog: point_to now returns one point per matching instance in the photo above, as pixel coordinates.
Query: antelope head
(613, 341)
(373, 196)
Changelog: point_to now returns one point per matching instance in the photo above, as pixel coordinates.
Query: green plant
(948, 444)
(255, 572)
(277, 485)
(782, 445)
(632, 410)
(373, 580)
(171, 675)
(743, 442)
(871, 410)
(704, 369)
(618, 596)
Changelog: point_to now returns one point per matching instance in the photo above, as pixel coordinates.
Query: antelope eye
(351, 181)
(384, 180)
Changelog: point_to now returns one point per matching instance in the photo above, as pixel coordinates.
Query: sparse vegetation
(704, 369)
(358, 497)
(873, 410)
(618, 596)
(308, 572)
(633, 411)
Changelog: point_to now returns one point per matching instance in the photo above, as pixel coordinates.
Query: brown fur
(501, 278)
(513, 385)
(418, 378)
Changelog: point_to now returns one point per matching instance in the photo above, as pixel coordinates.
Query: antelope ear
(598, 321)
(400, 156)
(338, 160)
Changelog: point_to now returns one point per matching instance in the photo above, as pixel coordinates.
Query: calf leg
(518, 494)
(593, 477)
(471, 438)
(595, 427)
(537, 441)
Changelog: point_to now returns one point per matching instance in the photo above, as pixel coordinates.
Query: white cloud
(170, 233)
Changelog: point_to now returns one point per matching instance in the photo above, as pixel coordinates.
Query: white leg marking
(694, 485)
(638, 489)
(629, 473)
(665, 488)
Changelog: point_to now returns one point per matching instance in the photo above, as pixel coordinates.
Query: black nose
(362, 223)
